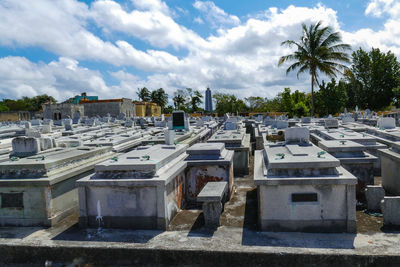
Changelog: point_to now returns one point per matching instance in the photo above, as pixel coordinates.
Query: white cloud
(240, 58)
(377, 8)
(215, 15)
(62, 79)
(151, 5)
(198, 20)
(60, 27)
(150, 25)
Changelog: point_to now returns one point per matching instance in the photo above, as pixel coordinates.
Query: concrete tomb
(354, 158)
(331, 123)
(391, 210)
(141, 189)
(347, 119)
(25, 146)
(305, 119)
(207, 162)
(282, 124)
(374, 195)
(387, 123)
(303, 188)
(369, 141)
(68, 125)
(239, 142)
(230, 125)
(39, 190)
(390, 160)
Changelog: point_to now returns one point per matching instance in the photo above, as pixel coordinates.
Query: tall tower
(208, 101)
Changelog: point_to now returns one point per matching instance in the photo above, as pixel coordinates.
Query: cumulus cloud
(151, 25)
(62, 79)
(214, 15)
(377, 8)
(60, 27)
(240, 57)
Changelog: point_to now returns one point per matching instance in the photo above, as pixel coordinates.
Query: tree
(287, 103)
(169, 109)
(373, 77)
(38, 101)
(3, 107)
(160, 97)
(144, 94)
(195, 98)
(256, 103)
(331, 97)
(319, 51)
(396, 93)
(300, 109)
(26, 103)
(180, 100)
(226, 103)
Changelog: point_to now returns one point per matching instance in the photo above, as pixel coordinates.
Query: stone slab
(213, 192)
(391, 210)
(305, 156)
(341, 146)
(374, 194)
(206, 149)
(146, 160)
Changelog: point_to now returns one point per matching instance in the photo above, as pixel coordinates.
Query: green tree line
(25, 103)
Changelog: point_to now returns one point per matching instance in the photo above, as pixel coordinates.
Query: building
(147, 109)
(114, 107)
(83, 97)
(62, 110)
(90, 108)
(15, 116)
(208, 102)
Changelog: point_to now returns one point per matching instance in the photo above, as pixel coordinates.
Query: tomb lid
(342, 134)
(227, 137)
(42, 163)
(149, 160)
(340, 146)
(396, 146)
(206, 149)
(298, 156)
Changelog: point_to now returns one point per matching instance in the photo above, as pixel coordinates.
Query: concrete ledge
(309, 226)
(60, 252)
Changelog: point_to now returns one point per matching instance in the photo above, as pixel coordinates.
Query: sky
(111, 48)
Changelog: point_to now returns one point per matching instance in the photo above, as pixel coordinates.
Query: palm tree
(179, 99)
(160, 97)
(144, 94)
(320, 50)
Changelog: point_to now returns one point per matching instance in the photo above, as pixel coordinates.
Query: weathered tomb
(141, 189)
(40, 189)
(239, 142)
(369, 141)
(354, 158)
(303, 188)
(390, 161)
(207, 162)
(122, 142)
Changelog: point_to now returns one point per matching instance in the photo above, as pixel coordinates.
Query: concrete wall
(117, 202)
(113, 108)
(198, 176)
(42, 205)
(53, 111)
(331, 213)
(140, 110)
(15, 116)
(390, 163)
(126, 204)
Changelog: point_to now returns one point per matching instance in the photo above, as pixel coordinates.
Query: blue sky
(111, 48)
